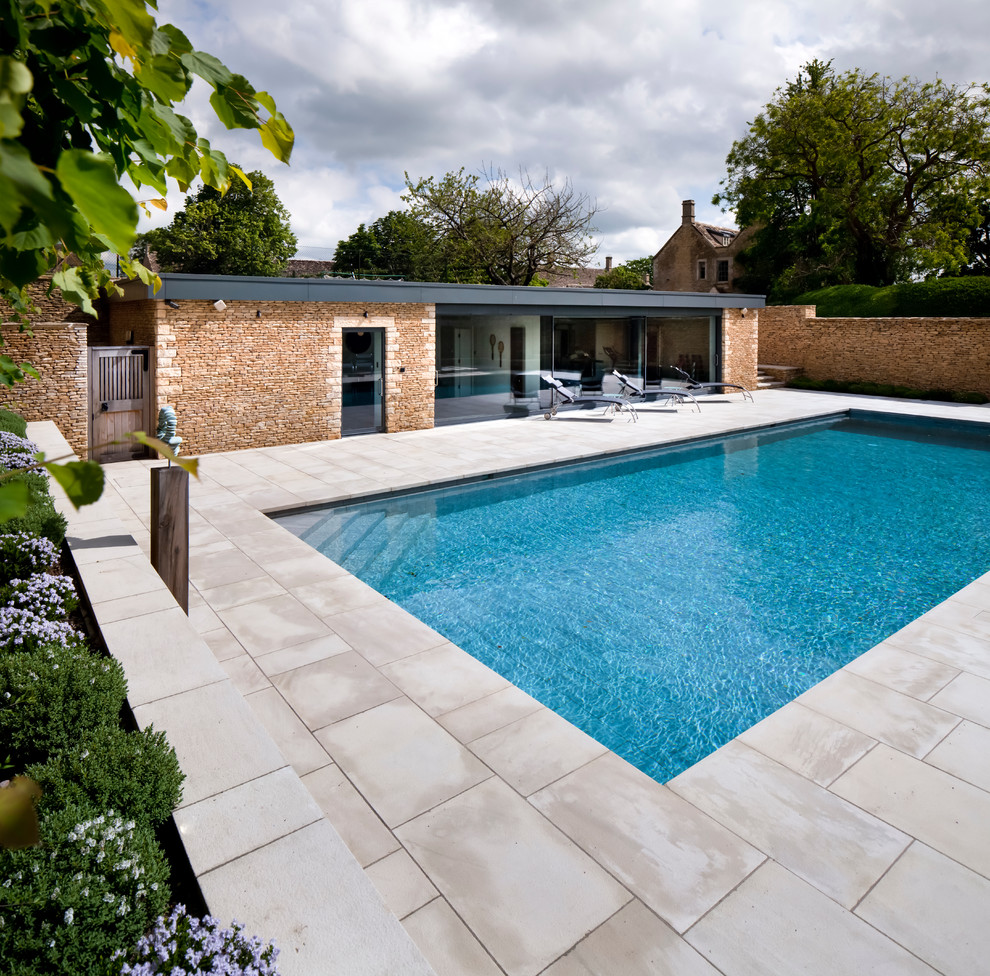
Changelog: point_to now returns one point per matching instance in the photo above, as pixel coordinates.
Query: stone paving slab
(737, 910)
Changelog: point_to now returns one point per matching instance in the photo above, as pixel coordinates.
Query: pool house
(256, 362)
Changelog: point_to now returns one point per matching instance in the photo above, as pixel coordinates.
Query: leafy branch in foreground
(87, 96)
(82, 481)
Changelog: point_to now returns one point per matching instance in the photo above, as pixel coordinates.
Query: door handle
(104, 407)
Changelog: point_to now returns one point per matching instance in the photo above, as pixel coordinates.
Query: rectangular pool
(664, 602)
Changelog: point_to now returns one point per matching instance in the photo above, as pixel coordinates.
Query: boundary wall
(925, 353)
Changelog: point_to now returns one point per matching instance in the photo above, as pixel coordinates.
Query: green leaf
(132, 20)
(92, 184)
(235, 105)
(15, 83)
(169, 39)
(277, 137)
(21, 267)
(187, 464)
(165, 77)
(11, 372)
(22, 185)
(13, 499)
(211, 70)
(76, 286)
(82, 481)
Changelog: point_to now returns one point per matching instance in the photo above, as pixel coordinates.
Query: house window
(701, 271)
(722, 271)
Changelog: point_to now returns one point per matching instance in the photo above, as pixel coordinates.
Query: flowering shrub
(48, 596)
(16, 452)
(180, 944)
(95, 883)
(23, 554)
(135, 773)
(22, 630)
(51, 697)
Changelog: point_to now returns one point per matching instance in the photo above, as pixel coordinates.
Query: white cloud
(635, 101)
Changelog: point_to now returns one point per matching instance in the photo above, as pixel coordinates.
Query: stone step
(768, 377)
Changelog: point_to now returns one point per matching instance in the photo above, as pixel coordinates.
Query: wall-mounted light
(171, 304)
(220, 305)
(744, 313)
(365, 314)
(257, 314)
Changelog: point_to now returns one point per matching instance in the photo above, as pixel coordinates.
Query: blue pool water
(665, 603)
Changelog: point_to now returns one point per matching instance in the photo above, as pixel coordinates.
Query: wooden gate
(120, 391)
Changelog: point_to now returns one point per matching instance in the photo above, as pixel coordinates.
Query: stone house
(700, 257)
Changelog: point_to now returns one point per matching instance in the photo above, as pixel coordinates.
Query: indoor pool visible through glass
(664, 603)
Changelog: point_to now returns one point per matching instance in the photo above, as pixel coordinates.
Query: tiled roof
(571, 277)
(718, 236)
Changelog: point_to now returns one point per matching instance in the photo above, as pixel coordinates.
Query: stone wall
(265, 373)
(740, 342)
(58, 351)
(925, 353)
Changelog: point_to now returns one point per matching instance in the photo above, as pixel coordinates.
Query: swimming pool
(666, 602)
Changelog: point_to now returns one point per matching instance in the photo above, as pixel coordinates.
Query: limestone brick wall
(266, 373)
(927, 353)
(53, 307)
(58, 351)
(740, 345)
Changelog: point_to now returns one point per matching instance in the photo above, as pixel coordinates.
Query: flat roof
(449, 298)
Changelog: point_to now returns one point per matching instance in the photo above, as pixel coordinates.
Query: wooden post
(170, 530)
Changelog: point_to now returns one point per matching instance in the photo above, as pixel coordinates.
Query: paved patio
(849, 833)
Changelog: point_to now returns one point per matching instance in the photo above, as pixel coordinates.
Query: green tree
(398, 244)
(859, 178)
(505, 231)
(244, 231)
(641, 266)
(978, 246)
(359, 252)
(635, 275)
(87, 91)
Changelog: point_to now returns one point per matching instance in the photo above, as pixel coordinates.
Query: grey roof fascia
(505, 299)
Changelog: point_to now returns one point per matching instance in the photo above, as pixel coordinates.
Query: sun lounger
(612, 403)
(693, 384)
(630, 388)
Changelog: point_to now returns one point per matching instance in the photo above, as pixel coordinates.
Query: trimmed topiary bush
(885, 390)
(41, 518)
(13, 422)
(52, 697)
(96, 882)
(135, 773)
(938, 298)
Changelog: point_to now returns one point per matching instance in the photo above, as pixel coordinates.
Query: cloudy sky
(636, 102)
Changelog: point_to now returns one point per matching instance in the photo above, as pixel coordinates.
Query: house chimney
(608, 263)
(687, 212)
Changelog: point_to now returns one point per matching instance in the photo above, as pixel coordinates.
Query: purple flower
(180, 944)
(15, 451)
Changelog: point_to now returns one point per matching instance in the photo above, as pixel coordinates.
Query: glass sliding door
(487, 366)
(585, 351)
(362, 381)
(687, 343)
